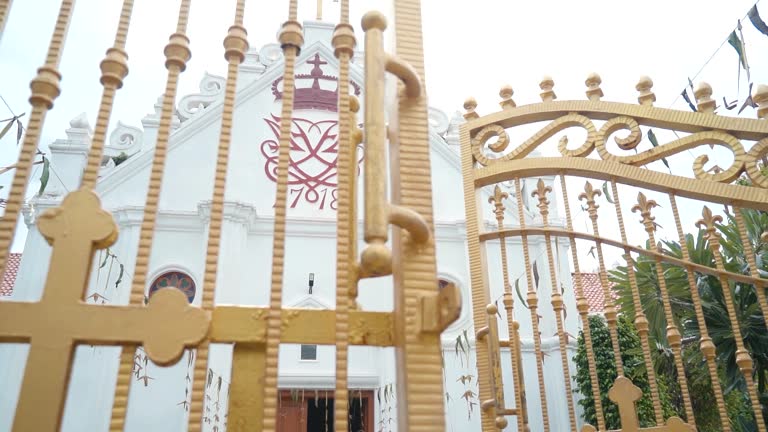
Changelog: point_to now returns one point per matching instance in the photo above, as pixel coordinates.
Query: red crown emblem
(314, 97)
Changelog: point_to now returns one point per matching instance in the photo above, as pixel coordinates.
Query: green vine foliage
(634, 369)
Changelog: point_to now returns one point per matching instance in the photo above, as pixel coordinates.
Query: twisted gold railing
(177, 54)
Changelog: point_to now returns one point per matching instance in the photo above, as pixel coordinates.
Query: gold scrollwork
(712, 138)
(611, 127)
(756, 153)
(567, 121)
(743, 162)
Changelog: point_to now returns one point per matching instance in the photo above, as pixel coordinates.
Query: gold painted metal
(291, 39)
(61, 319)
(168, 324)
(583, 307)
(513, 343)
(5, 9)
(641, 322)
(344, 43)
(589, 195)
(418, 353)
(376, 259)
(177, 53)
(644, 207)
(513, 232)
(45, 89)
(235, 47)
(493, 406)
(488, 159)
(625, 394)
(533, 301)
(114, 69)
(557, 298)
(248, 325)
(706, 344)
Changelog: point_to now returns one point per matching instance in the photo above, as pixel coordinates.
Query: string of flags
(736, 41)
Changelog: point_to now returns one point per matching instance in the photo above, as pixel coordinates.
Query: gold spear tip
(491, 309)
(593, 80)
(506, 91)
(374, 19)
(703, 91)
(470, 104)
(546, 83)
(645, 83)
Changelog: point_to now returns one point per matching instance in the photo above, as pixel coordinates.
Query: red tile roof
(9, 279)
(593, 291)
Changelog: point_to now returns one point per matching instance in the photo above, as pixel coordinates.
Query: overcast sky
(472, 48)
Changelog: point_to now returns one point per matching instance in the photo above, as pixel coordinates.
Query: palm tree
(753, 327)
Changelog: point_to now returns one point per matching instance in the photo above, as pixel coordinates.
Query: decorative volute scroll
(617, 156)
(211, 90)
(124, 139)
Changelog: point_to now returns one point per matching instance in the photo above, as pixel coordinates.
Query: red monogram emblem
(312, 175)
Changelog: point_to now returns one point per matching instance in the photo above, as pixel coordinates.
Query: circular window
(175, 279)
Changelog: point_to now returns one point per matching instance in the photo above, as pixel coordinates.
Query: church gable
(312, 186)
(252, 163)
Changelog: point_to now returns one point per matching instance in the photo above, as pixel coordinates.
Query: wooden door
(294, 411)
(291, 414)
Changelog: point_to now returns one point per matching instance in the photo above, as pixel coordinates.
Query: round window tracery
(175, 279)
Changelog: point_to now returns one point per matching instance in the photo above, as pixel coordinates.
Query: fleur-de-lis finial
(708, 221)
(497, 199)
(589, 195)
(541, 191)
(644, 206)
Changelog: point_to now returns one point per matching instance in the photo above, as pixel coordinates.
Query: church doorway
(312, 411)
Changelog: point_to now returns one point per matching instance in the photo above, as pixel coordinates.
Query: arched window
(175, 279)
(442, 283)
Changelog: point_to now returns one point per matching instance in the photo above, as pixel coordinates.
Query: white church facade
(158, 399)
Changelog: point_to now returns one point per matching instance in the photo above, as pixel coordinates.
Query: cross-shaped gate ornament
(76, 230)
(624, 394)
